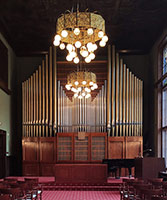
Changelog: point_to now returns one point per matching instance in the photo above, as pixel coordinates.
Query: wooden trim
(164, 128)
(5, 88)
(161, 79)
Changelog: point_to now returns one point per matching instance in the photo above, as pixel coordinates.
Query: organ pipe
(29, 107)
(43, 97)
(37, 104)
(50, 91)
(121, 96)
(124, 100)
(34, 102)
(55, 90)
(130, 103)
(31, 82)
(117, 94)
(47, 95)
(127, 102)
(117, 107)
(23, 111)
(141, 109)
(113, 91)
(40, 102)
(109, 79)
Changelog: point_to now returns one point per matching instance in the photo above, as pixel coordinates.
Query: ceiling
(132, 25)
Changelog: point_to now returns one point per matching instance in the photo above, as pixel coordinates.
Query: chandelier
(79, 33)
(81, 83)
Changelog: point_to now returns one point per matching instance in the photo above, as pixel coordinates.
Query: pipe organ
(116, 106)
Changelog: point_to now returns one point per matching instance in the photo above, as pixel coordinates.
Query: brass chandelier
(79, 32)
(81, 82)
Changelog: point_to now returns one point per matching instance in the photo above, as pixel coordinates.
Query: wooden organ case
(52, 118)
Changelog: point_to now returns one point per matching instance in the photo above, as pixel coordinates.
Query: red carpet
(80, 195)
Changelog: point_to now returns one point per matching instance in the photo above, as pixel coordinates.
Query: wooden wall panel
(47, 169)
(41, 154)
(48, 150)
(134, 147)
(72, 173)
(30, 169)
(30, 149)
(116, 146)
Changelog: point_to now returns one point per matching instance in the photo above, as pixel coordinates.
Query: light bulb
(87, 96)
(90, 31)
(68, 87)
(91, 83)
(62, 46)
(78, 44)
(94, 47)
(92, 88)
(64, 33)
(76, 31)
(76, 83)
(84, 82)
(87, 89)
(88, 59)
(95, 86)
(102, 43)
(79, 89)
(73, 48)
(74, 89)
(57, 37)
(75, 95)
(80, 97)
(69, 47)
(85, 53)
(69, 57)
(73, 54)
(83, 94)
(76, 60)
(92, 56)
(100, 34)
(56, 42)
(90, 47)
(105, 38)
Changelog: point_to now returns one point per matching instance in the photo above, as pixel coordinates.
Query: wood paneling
(134, 147)
(116, 146)
(47, 169)
(125, 147)
(48, 150)
(30, 169)
(149, 167)
(41, 154)
(89, 173)
(30, 149)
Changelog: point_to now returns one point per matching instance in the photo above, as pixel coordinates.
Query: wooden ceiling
(132, 25)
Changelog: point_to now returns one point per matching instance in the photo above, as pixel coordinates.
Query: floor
(80, 195)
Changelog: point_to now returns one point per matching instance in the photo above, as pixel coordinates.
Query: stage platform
(49, 184)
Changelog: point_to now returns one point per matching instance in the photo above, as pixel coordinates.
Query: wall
(7, 122)
(154, 66)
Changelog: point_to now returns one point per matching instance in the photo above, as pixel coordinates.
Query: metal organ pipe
(117, 107)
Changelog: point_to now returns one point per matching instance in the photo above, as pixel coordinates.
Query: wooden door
(2, 153)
